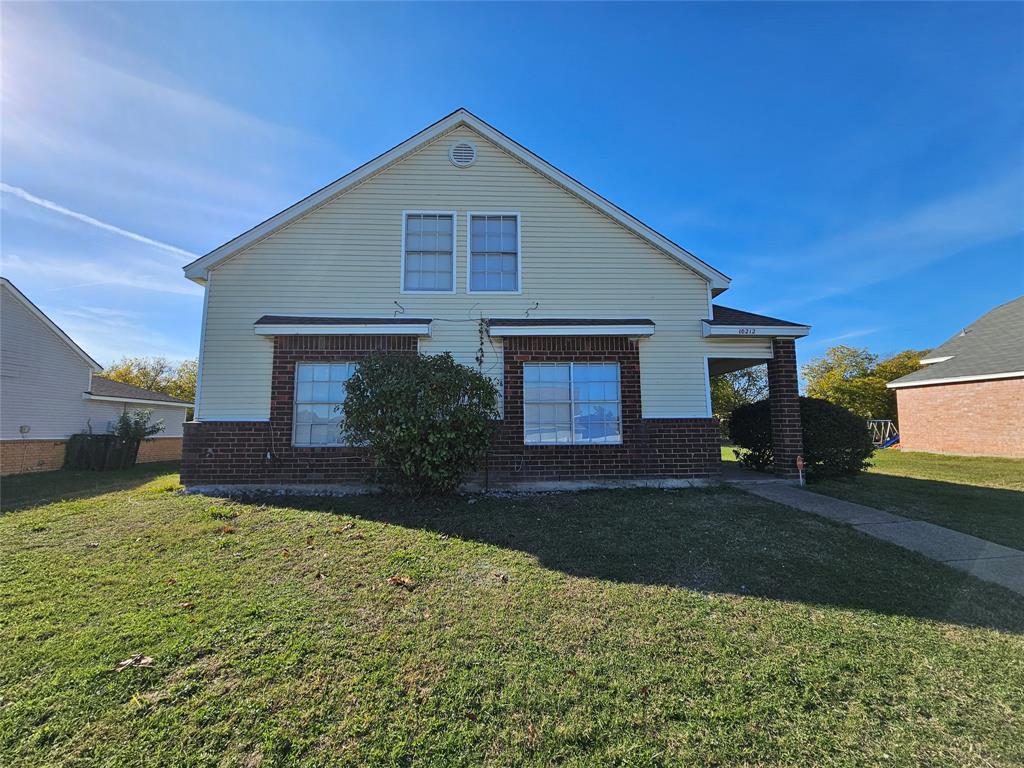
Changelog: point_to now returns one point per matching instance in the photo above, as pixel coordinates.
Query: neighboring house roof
(729, 316)
(992, 347)
(108, 389)
(198, 270)
(38, 313)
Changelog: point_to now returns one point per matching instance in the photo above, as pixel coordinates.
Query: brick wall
(21, 456)
(784, 396)
(978, 417)
(160, 449)
(651, 448)
(215, 452)
(261, 452)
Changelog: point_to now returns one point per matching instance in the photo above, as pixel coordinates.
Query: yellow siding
(345, 259)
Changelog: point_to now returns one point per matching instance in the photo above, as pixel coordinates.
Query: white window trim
(295, 404)
(455, 261)
(572, 405)
(519, 251)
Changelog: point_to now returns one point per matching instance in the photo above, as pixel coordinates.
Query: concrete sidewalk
(978, 557)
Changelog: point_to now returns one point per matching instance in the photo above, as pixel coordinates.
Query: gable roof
(101, 386)
(41, 316)
(989, 348)
(198, 270)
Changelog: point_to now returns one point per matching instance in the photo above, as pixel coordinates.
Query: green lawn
(630, 628)
(979, 495)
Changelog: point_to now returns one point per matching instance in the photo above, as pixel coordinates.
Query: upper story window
(428, 253)
(494, 252)
(319, 397)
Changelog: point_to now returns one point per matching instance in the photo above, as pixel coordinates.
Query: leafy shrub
(425, 419)
(836, 442)
(137, 425)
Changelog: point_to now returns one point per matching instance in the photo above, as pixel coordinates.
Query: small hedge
(100, 452)
(836, 442)
(425, 419)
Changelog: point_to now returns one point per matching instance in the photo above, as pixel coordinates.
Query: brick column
(784, 396)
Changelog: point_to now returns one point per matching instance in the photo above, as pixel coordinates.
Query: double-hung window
(428, 253)
(319, 397)
(571, 403)
(494, 252)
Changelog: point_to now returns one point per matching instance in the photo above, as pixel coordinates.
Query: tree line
(854, 378)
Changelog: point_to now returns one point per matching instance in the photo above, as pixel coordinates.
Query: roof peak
(198, 270)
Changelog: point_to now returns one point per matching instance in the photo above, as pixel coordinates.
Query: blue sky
(859, 167)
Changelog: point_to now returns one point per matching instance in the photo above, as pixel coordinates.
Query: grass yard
(632, 628)
(979, 495)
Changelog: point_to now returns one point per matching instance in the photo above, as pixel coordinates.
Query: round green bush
(836, 442)
(425, 419)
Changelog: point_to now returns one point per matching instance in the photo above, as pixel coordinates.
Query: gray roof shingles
(729, 316)
(992, 344)
(104, 387)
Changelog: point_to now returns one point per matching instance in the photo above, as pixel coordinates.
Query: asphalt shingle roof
(992, 344)
(729, 316)
(109, 388)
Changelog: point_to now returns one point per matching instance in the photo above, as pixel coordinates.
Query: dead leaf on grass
(320, 576)
(92, 545)
(357, 537)
(402, 581)
(138, 660)
(186, 606)
(226, 529)
(343, 528)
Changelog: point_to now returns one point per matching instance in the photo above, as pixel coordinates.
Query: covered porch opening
(772, 342)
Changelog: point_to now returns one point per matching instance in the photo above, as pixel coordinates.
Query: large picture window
(319, 396)
(571, 403)
(428, 262)
(494, 252)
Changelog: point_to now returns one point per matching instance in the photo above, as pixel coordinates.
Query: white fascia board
(384, 329)
(955, 379)
(198, 270)
(741, 331)
(140, 401)
(572, 330)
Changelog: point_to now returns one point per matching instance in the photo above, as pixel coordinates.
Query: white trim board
(199, 269)
(140, 401)
(955, 379)
(746, 331)
(384, 329)
(572, 330)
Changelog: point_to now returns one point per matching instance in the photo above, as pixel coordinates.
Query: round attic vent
(462, 154)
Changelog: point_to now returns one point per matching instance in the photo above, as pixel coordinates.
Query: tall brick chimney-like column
(784, 396)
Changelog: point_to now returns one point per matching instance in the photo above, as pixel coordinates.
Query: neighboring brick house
(599, 332)
(969, 396)
(51, 389)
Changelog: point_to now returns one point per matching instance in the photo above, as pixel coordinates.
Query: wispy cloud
(86, 219)
(884, 250)
(109, 334)
(81, 273)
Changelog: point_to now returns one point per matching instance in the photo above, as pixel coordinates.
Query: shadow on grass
(995, 514)
(713, 540)
(33, 489)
